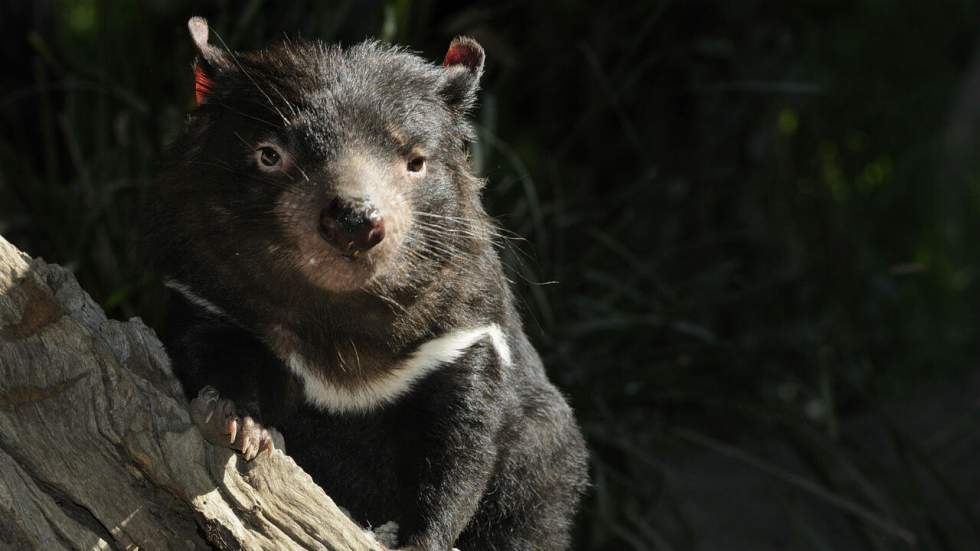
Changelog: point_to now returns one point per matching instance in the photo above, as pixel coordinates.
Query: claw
(232, 430)
(266, 442)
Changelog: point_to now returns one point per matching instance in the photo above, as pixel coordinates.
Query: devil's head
(343, 168)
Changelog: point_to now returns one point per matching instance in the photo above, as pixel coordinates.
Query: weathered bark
(97, 449)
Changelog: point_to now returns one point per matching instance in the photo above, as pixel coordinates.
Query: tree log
(97, 448)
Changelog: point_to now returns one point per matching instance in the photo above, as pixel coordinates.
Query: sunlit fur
(401, 376)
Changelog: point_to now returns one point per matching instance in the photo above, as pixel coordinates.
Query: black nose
(353, 226)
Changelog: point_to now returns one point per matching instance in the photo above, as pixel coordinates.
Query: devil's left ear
(462, 68)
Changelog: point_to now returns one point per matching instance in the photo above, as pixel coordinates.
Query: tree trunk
(97, 449)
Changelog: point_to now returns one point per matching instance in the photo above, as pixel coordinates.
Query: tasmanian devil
(334, 276)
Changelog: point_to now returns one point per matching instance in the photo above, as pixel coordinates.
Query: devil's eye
(268, 158)
(416, 164)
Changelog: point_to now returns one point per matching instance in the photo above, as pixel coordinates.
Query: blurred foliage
(749, 255)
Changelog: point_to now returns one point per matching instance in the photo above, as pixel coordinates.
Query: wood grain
(97, 449)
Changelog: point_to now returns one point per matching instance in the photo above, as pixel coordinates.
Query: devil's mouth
(350, 253)
(352, 257)
(341, 271)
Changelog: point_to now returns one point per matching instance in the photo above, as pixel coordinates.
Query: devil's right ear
(210, 61)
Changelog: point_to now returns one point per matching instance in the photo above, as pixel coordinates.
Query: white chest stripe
(424, 360)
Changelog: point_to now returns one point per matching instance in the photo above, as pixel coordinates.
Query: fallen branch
(97, 449)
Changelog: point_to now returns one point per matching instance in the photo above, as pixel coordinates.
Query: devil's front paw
(220, 423)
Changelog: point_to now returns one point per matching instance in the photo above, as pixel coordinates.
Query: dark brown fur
(481, 453)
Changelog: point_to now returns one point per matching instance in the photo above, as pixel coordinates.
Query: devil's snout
(352, 226)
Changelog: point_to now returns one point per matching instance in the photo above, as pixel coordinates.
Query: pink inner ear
(463, 52)
(202, 85)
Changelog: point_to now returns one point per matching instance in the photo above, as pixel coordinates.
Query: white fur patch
(386, 389)
(194, 297)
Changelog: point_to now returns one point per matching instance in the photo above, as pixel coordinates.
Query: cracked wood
(97, 450)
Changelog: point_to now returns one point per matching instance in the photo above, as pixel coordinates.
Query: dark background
(750, 256)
